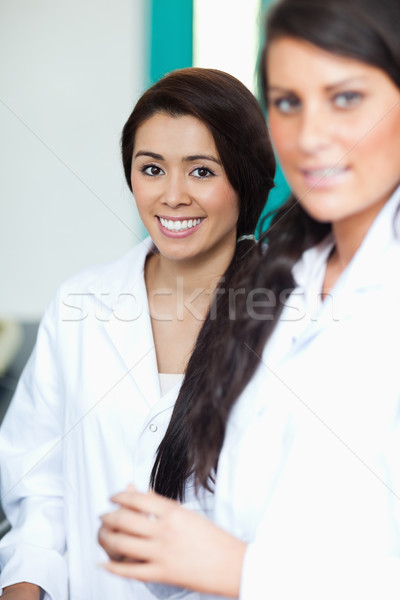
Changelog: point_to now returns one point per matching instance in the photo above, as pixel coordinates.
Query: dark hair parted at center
(233, 116)
(228, 350)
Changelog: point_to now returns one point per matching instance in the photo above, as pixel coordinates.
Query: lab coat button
(153, 427)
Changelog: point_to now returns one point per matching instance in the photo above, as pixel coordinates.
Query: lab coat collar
(116, 281)
(375, 263)
(121, 289)
(367, 268)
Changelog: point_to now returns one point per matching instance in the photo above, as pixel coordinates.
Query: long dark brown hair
(227, 350)
(237, 124)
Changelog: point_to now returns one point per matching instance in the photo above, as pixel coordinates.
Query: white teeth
(179, 225)
(330, 172)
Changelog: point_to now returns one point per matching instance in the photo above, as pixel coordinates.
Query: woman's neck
(349, 234)
(199, 272)
(179, 294)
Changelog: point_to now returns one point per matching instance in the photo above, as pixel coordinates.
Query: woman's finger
(129, 521)
(121, 546)
(103, 541)
(140, 571)
(150, 502)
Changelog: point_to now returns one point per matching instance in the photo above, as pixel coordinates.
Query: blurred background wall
(70, 73)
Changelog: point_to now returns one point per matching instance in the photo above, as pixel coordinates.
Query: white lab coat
(309, 473)
(86, 420)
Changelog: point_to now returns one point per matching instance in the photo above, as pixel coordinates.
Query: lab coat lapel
(307, 314)
(375, 263)
(122, 293)
(129, 329)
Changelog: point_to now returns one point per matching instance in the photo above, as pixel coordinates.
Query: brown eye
(202, 172)
(152, 170)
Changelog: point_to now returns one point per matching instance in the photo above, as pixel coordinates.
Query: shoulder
(102, 284)
(115, 273)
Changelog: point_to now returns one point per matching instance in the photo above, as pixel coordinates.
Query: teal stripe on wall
(281, 191)
(171, 36)
(171, 47)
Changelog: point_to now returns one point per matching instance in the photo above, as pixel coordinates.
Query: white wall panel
(70, 71)
(226, 37)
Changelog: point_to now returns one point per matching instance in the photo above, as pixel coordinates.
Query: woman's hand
(22, 591)
(152, 538)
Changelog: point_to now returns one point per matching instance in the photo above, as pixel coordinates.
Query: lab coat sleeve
(331, 571)
(31, 473)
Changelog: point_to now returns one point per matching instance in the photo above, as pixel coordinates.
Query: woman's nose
(176, 191)
(314, 131)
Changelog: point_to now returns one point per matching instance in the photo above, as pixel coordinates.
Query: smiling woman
(190, 210)
(96, 398)
(182, 191)
(326, 131)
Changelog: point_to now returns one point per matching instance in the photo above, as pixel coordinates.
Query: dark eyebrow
(349, 81)
(191, 158)
(328, 88)
(148, 153)
(276, 88)
(194, 157)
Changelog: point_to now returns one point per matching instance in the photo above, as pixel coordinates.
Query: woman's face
(183, 195)
(335, 124)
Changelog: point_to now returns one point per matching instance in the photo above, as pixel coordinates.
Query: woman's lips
(179, 227)
(324, 177)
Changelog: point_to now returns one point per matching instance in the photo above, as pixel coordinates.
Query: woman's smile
(179, 226)
(322, 178)
(182, 192)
